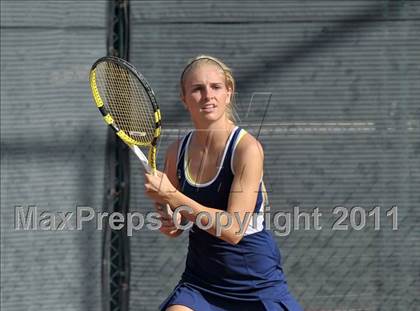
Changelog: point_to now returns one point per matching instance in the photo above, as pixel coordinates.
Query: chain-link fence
(329, 87)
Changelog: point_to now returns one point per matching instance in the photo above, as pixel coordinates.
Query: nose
(207, 92)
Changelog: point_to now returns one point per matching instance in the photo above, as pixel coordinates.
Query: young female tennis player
(233, 263)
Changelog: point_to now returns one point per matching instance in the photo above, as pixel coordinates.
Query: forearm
(217, 219)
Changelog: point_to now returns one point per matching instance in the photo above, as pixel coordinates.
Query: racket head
(127, 103)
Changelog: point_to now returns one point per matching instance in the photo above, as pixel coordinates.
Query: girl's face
(206, 95)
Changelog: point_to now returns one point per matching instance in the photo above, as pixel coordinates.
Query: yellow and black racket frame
(110, 121)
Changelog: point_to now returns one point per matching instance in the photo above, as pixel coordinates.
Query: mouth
(208, 108)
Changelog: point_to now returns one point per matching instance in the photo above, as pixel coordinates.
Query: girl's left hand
(158, 187)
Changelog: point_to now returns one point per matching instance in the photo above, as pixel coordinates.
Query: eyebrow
(211, 83)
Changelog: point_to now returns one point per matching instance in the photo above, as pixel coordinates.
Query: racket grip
(144, 161)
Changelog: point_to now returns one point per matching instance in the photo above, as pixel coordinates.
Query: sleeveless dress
(220, 276)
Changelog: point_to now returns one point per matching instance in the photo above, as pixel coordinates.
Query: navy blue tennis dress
(220, 276)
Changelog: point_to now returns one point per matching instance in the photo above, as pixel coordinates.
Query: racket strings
(127, 101)
(139, 92)
(136, 124)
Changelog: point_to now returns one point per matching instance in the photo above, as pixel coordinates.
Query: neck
(213, 136)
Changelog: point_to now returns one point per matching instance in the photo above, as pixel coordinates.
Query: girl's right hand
(168, 225)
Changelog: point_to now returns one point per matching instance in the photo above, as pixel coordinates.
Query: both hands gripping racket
(127, 104)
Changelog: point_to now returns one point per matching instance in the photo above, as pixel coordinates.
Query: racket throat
(142, 158)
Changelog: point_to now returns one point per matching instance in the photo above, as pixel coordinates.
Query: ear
(229, 97)
(182, 98)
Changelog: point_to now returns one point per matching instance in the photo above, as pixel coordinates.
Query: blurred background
(328, 87)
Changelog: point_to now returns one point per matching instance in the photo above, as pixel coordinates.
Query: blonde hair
(229, 80)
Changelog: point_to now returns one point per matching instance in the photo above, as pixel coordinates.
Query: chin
(211, 116)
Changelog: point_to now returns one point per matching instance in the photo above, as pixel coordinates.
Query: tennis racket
(128, 105)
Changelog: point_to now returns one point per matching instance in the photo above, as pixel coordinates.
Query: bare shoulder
(249, 145)
(248, 150)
